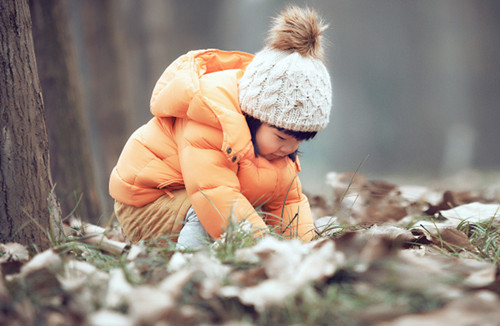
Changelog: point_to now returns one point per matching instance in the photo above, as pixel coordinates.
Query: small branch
(96, 236)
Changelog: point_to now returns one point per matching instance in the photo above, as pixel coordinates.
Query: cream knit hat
(286, 84)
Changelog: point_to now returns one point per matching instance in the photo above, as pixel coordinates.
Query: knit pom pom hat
(286, 84)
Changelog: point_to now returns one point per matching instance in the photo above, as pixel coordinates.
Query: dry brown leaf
(480, 308)
(248, 277)
(346, 188)
(148, 305)
(382, 312)
(18, 313)
(291, 259)
(421, 194)
(54, 318)
(472, 212)
(79, 273)
(271, 292)
(452, 239)
(446, 202)
(14, 255)
(381, 202)
(47, 260)
(465, 273)
(175, 282)
(384, 211)
(4, 293)
(199, 261)
(289, 265)
(236, 323)
(362, 201)
(420, 268)
(39, 275)
(13, 251)
(86, 284)
(344, 183)
(453, 199)
(109, 318)
(211, 271)
(178, 261)
(368, 245)
(327, 225)
(119, 289)
(374, 201)
(319, 206)
(393, 233)
(482, 278)
(445, 227)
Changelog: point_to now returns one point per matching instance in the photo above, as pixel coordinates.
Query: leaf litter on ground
(384, 255)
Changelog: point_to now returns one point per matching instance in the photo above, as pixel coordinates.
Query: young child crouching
(224, 139)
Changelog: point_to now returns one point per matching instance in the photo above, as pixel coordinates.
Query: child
(224, 139)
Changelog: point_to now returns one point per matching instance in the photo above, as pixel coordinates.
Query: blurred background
(416, 83)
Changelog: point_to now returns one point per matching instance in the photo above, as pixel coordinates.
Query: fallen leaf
(109, 318)
(18, 313)
(371, 244)
(271, 292)
(79, 273)
(14, 255)
(393, 233)
(47, 260)
(54, 318)
(148, 305)
(86, 284)
(286, 259)
(4, 293)
(481, 308)
(289, 264)
(119, 289)
(319, 206)
(178, 261)
(248, 277)
(327, 225)
(472, 212)
(421, 194)
(451, 239)
(174, 283)
(449, 271)
(13, 251)
(482, 278)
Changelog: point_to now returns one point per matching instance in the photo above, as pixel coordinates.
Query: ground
(385, 254)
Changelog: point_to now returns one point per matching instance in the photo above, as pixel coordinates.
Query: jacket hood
(203, 86)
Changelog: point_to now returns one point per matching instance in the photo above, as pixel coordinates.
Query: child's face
(273, 143)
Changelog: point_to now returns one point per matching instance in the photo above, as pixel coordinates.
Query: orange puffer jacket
(199, 140)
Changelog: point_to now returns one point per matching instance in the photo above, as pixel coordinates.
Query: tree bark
(109, 101)
(105, 73)
(70, 158)
(25, 182)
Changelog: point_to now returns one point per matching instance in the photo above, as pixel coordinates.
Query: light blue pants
(193, 234)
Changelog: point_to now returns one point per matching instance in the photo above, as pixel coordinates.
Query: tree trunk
(24, 155)
(148, 49)
(70, 158)
(107, 100)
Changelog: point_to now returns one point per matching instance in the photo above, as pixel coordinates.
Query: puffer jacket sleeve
(291, 214)
(212, 183)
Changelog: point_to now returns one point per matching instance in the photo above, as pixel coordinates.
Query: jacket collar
(203, 86)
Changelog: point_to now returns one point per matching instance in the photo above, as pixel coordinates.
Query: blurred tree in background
(67, 127)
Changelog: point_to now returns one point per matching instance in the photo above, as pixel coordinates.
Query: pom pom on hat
(297, 30)
(287, 85)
